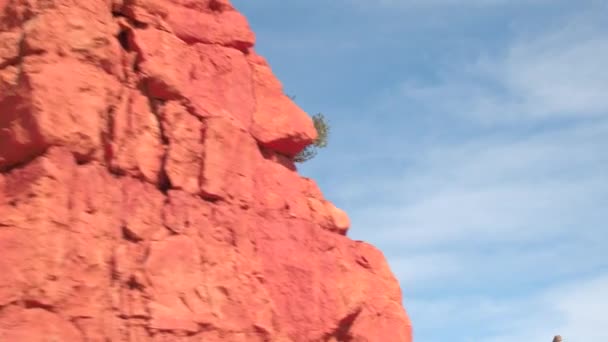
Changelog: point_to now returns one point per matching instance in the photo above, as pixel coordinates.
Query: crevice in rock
(211, 198)
(83, 159)
(25, 162)
(123, 39)
(241, 46)
(35, 304)
(164, 182)
(134, 285)
(118, 173)
(134, 316)
(342, 331)
(277, 157)
(10, 62)
(262, 332)
(362, 260)
(215, 6)
(107, 137)
(114, 272)
(182, 299)
(122, 12)
(128, 235)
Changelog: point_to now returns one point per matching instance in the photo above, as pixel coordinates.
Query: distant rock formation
(148, 193)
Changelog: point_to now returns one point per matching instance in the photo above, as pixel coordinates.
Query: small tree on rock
(310, 151)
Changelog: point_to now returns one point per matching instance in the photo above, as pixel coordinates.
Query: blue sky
(469, 143)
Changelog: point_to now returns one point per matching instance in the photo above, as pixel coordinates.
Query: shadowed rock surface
(148, 193)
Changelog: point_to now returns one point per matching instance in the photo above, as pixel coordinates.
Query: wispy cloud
(556, 73)
(428, 6)
(492, 190)
(574, 310)
(435, 3)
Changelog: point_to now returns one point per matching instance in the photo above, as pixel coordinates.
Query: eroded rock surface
(147, 191)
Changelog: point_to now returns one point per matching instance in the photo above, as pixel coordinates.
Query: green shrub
(310, 151)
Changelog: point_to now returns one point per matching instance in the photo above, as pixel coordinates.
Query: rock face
(147, 191)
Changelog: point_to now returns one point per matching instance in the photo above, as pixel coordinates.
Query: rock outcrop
(148, 193)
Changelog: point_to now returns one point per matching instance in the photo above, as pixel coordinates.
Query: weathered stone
(136, 146)
(215, 80)
(230, 155)
(36, 325)
(278, 123)
(184, 133)
(209, 21)
(39, 113)
(148, 190)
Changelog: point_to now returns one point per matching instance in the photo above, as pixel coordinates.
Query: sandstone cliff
(147, 191)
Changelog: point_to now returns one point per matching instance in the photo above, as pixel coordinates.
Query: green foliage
(310, 151)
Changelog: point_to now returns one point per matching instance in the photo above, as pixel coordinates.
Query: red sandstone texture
(148, 193)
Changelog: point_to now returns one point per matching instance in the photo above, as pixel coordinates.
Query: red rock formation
(147, 191)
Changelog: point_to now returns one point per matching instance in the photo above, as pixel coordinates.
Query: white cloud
(575, 310)
(421, 269)
(536, 183)
(498, 267)
(406, 4)
(584, 309)
(475, 230)
(481, 318)
(516, 189)
(560, 72)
